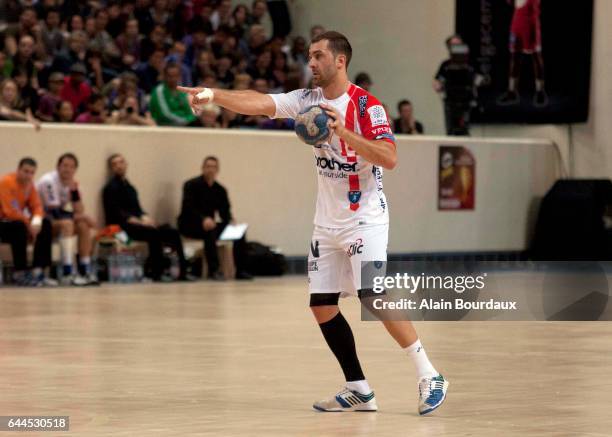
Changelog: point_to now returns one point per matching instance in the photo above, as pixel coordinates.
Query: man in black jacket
(205, 212)
(122, 207)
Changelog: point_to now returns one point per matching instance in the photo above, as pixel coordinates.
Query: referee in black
(205, 212)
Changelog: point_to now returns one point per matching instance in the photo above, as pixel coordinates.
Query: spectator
(77, 52)
(155, 41)
(27, 25)
(152, 72)
(316, 30)
(209, 115)
(455, 82)
(196, 42)
(169, 106)
(364, 81)
(28, 96)
(222, 16)
(279, 72)
(230, 119)
(262, 67)
(204, 66)
(406, 123)
(204, 199)
(102, 42)
(223, 71)
(129, 114)
(96, 112)
(64, 112)
(52, 35)
(24, 60)
(122, 207)
(128, 43)
(62, 201)
(21, 220)
(259, 16)
(239, 20)
(75, 90)
(10, 105)
(218, 40)
(51, 98)
(116, 20)
(176, 55)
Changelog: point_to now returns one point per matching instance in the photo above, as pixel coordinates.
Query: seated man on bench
(205, 212)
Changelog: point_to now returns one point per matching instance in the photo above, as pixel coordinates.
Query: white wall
(271, 181)
(400, 43)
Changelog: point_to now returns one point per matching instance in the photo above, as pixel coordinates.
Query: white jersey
(350, 188)
(53, 194)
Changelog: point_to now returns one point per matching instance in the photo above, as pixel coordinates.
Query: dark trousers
(16, 234)
(157, 238)
(457, 115)
(195, 231)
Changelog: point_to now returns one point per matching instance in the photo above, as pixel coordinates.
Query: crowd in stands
(120, 61)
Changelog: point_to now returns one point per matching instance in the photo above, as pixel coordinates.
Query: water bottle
(175, 269)
(123, 269)
(138, 268)
(113, 268)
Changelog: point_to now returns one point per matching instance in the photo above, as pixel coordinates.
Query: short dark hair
(338, 44)
(68, 155)
(448, 40)
(402, 103)
(109, 161)
(27, 161)
(170, 65)
(210, 158)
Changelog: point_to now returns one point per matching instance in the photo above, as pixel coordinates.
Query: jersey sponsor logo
(354, 196)
(355, 248)
(378, 117)
(314, 249)
(332, 164)
(306, 93)
(363, 104)
(381, 130)
(387, 136)
(312, 266)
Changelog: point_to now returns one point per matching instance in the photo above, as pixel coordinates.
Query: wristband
(36, 220)
(207, 93)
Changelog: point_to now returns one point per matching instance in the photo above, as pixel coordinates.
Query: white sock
(361, 387)
(539, 85)
(67, 250)
(416, 351)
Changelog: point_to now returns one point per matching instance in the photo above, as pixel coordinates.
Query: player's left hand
(335, 124)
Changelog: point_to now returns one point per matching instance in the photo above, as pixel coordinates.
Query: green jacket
(170, 108)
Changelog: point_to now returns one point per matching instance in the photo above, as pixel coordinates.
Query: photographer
(456, 82)
(129, 114)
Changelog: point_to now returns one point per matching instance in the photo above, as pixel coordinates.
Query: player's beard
(324, 78)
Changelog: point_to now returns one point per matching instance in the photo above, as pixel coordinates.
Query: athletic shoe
(508, 98)
(540, 99)
(347, 400)
(432, 392)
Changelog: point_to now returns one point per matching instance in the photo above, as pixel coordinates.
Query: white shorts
(334, 261)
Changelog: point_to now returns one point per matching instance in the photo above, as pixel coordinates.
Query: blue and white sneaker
(347, 400)
(432, 392)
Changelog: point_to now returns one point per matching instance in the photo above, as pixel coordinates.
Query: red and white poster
(456, 178)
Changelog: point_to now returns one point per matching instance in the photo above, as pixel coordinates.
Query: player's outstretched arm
(245, 102)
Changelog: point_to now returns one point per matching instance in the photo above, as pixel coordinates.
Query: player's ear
(341, 61)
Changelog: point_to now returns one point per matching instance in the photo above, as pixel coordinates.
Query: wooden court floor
(232, 358)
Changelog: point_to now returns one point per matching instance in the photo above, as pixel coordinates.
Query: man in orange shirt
(21, 220)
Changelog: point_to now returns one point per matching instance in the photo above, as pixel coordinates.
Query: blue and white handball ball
(311, 125)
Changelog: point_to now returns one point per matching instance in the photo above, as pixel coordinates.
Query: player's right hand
(197, 96)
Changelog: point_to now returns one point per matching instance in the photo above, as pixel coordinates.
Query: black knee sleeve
(321, 299)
